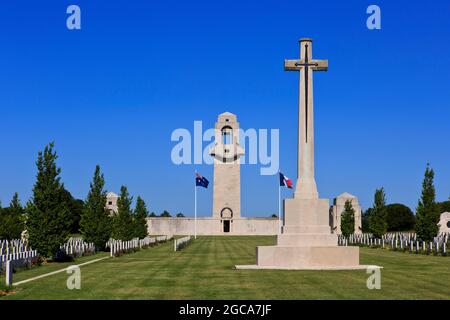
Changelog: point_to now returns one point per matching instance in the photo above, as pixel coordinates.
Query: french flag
(285, 181)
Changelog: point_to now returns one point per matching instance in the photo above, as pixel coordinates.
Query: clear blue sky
(112, 93)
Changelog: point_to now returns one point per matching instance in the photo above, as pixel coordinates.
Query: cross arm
(291, 65)
(297, 65)
(319, 65)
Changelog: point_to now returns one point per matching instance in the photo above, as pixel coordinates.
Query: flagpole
(195, 210)
(279, 204)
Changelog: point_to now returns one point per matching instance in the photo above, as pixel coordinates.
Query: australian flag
(201, 181)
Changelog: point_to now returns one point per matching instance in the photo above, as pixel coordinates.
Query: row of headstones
(387, 237)
(118, 247)
(401, 236)
(13, 246)
(77, 247)
(15, 254)
(20, 259)
(399, 243)
(179, 244)
(412, 236)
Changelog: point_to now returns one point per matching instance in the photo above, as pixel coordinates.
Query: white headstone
(9, 273)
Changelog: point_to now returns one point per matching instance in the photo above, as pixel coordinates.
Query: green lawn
(204, 270)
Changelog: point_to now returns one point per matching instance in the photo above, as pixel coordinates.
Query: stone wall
(212, 226)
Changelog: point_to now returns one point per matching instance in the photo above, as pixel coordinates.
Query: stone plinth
(306, 241)
(305, 257)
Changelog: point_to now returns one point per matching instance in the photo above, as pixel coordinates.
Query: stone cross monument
(306, 184)
(306, 241)
(227, 180)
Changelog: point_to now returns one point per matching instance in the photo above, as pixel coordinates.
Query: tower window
(227, 135)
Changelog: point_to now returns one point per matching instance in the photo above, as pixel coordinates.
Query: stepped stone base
(306, 242)
(305, 257)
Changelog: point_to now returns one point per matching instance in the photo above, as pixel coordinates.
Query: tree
(95, 223)
(399, 217)
(140, 219)
(180, 215)
(427, 213)
(165, 214)
(123, 220)
(274, 215)
(365, 217)
(12, 220)
(48, 216)
(443, 206)
(377, 218)
(152, 215)
(348, 219)
(75, 208)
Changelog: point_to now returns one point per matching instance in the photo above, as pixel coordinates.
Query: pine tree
(123, 220)
(140, 219)
(12, 220)
(48, 216)
(348, 219)
(378, 215)
(165, 214)
(427, 213)
(95, 221)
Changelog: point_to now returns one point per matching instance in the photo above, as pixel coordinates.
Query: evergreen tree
(95, 221)
(123, 220)
(76, 209)
(399, 217)
(365, 217)
(12, 220)
(48, 216)
(165, 214)
(180, 215)
(15, 203)
(348, 219)
(140, 219)
(427, 213)
(443, 206)
(378, 214)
